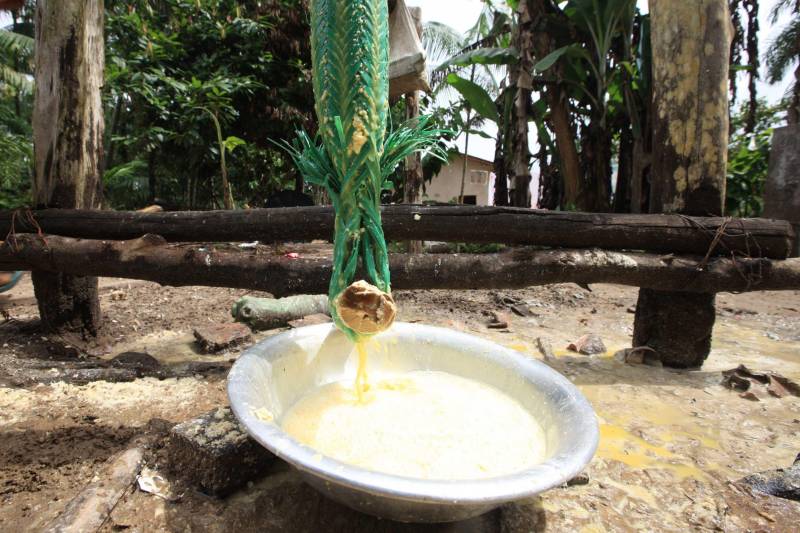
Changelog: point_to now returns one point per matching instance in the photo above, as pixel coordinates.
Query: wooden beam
(154, 259)
(752, 237)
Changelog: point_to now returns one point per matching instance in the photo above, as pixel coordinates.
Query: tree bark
(413, 183)
(565, 144)
(596, 152)
(502, 150)
(559, 118)
(68, 143)
(152, 258)
(691, 45)
(520, 78)
(622, 193)
(474, 224)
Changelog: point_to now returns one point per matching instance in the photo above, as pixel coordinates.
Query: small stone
(782, 482)
(545, 348)
(580, 479)
(750, 395)
(640, 355)
(589, 344)
(218, 337)
(214, 453)
(499, 320)
(521, 310)
(772, 336)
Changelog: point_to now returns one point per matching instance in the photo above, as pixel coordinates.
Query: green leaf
(475, 95)
(482, 56)
(232, 142)
(480, 133)
(573, 50)
(550, 59)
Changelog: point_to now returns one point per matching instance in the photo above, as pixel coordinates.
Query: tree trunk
(596, 151)
(622, 193)
(152, 258)
(691, 45)
(151, 176)
(502, 149)
(520, 78)
(640, 175)
(559, 118)
(68, 143)
(467, 128)
(473, 224)
(565, 144)
(793, 113)
(413, 183)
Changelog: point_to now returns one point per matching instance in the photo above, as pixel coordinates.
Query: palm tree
(783, 51)
(451, 54)
(16, 61)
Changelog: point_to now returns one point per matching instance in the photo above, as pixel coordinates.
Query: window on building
(470, 199)
(479, 177)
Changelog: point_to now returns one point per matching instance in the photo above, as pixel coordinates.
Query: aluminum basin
(277, 372)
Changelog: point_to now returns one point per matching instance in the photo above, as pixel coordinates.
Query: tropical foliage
(195, 91)
(748, 158)
(783, 52)
(198, 92)
(16, 93)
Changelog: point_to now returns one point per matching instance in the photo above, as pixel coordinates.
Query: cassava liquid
(421, 424)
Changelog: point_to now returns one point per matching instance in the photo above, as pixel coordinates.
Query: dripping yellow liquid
(362, 382)
(423, 424)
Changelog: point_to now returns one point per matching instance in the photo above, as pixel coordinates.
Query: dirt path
(671, 441)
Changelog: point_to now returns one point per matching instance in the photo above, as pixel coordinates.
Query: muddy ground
(673, 442)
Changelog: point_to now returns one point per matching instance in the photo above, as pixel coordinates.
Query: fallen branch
(90, 508)
(752, 237)
(269, 313)
(152, 258)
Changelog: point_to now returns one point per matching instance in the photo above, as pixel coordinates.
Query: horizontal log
(152, 258)
(753, 237)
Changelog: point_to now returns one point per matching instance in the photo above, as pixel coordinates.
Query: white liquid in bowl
(421, 424)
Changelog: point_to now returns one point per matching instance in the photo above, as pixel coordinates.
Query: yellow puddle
(619, 444)
(666, 424)
(748, 342)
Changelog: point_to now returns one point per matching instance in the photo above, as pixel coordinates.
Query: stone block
(218, 337)
(214, 453)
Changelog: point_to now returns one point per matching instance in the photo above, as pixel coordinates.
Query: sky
(461, 15)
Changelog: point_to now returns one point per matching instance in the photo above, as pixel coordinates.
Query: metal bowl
(277, 372)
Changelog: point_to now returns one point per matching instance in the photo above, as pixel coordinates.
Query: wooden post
(68, 143)
(691, 44)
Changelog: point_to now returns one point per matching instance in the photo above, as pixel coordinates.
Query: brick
(218, 337)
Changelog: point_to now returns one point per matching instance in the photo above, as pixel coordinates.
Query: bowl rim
(495, 490)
